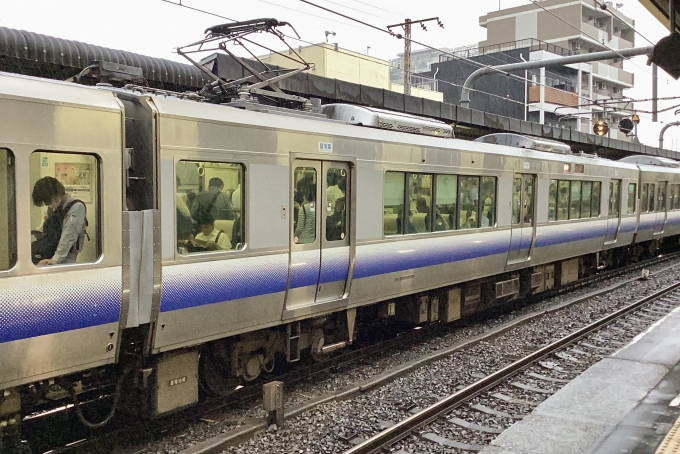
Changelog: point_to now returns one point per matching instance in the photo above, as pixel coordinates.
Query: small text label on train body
(325, 147)
(178, 381)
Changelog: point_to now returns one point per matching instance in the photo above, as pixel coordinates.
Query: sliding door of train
(523, 201)
(660, 208)
(319, 231)
(614, 216)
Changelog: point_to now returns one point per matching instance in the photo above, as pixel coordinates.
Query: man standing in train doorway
(63, 233)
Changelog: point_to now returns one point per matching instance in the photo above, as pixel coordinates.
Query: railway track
(211, 406)
(564, 357)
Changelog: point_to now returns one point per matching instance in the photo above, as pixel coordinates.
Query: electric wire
(306, 13)
(472, 62)
(604, 7)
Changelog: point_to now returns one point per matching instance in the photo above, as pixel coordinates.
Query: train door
(522, 233)
(319, 233)
(614, 213)
(660, 208)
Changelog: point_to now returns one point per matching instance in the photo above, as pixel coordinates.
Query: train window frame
(631, 209)
(9, 261)
(651, 195)
(239, 222)
(575, 202)
(93, 234)
(493, 205)
(477, 222)
(562, 213)
(412, 200)
(586, 184)
(661, 196)
(677, 197)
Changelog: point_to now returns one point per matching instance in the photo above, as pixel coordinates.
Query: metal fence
(529, 43)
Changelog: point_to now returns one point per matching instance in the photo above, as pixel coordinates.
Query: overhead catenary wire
(493, 95)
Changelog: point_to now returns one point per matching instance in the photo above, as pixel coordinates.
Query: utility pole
(406, 25)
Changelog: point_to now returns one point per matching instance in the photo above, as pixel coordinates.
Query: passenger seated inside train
(209, 238)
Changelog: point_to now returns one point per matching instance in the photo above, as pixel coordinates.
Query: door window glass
(631, 198)
(652, 197)
(661, 205)
(445, 208)
(575, 200)
(595, 201)
(615, 198)
(563, 201)
(516, 199)
(644, 199)
(393, 203)
(65, 209)
(8, 232)
(468, 201)
(552, 201)
(671, 196)
(209, 206)
(676, 205)
(304, 216)
(336, 206)
(528, 207)
(420, 199)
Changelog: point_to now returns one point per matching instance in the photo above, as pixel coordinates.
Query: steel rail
(404, 428)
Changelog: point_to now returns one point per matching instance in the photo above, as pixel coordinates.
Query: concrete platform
(622, 404)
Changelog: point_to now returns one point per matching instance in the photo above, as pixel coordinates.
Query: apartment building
(580, 26)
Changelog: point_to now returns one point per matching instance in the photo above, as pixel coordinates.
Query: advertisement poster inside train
(76, 178)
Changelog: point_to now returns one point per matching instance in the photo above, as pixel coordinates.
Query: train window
(676, 204)
(304, 218)
(393, 202)
(595, 200)
(671, 196)
(209, 206)
(661, 205)
(552, 201)
(644, 199)
(631, 197)
(445, 207)
(586, 196)
(8, 255)
(575, 200)
(420, 200)
(563, 200)
(488, 201)
(336, 213)
(468, 201)
(65, 189)
(651, 195)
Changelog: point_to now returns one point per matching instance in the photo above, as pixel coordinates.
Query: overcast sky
(156, 27)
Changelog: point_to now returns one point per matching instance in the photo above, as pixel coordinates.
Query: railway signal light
(600, 128)
(626, 125)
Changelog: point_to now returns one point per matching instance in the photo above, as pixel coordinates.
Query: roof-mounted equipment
(384, 119)
(259, 86)
(651, 161)
(521, 141)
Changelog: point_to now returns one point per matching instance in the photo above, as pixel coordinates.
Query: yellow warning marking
(671, 443)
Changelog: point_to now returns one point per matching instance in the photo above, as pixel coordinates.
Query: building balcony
(553, 96)
(612, 73)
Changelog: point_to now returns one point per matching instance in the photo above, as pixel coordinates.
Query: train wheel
(215, 376)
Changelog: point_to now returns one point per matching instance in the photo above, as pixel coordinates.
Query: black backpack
(45, 247)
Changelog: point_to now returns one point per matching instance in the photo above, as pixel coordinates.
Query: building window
(209, 206)
(8, 242)
(65, 209)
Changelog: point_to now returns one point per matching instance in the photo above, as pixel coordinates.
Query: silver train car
(328, 228)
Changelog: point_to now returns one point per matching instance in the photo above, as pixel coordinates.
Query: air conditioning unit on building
(575, 46)
(617, 89)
